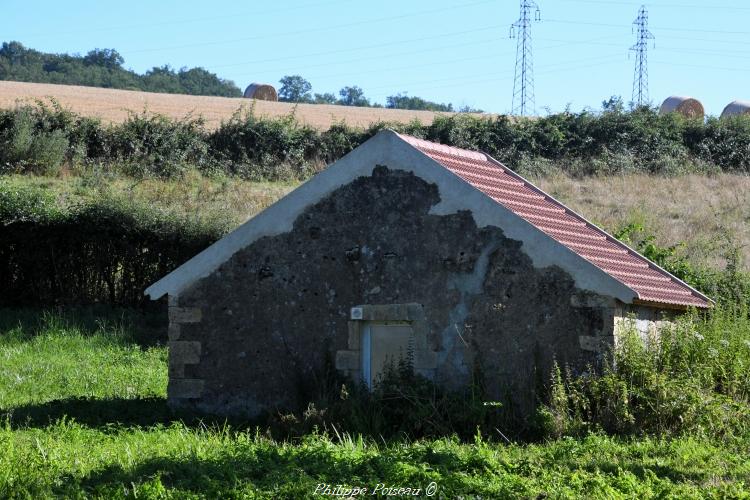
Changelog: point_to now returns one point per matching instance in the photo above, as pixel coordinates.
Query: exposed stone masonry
(260, 333)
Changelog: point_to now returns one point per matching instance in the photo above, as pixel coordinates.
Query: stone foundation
(181, 354)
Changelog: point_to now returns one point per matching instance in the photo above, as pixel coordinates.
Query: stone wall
(260, 332)
(645, 320)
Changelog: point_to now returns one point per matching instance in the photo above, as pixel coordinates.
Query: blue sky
(447, 51)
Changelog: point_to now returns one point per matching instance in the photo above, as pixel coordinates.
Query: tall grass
(70, 460)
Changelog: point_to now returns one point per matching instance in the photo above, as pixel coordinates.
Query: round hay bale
(261, 91)
(736, 108)
(686, 106)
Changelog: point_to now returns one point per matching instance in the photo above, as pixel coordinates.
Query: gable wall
(387, 148)
(259, 333)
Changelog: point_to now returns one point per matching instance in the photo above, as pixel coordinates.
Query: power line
(377, 57)
(391, 57)
(709, 40)
(442, 62)
(669, 5)
(567, 68)
(464, 81)
(359, 48)
(234, 15)
(640, 77)
(523, 83)
(660, 28)
(721, 68)
(725, 52)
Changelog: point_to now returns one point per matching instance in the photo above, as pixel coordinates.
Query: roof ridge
(442, 148)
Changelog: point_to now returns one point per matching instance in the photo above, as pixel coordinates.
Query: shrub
(27, 145)
(34, 139)
(692, 378)
(262, 149)
(723, 142)
(153, 145)
(729, 286)
(401, 404)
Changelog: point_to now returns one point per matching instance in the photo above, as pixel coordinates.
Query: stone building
(403, 245)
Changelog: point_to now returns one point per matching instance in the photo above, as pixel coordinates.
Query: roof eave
(672, 305)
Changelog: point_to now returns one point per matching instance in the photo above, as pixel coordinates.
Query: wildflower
(724, 342)
(713, 352)
(698, 336)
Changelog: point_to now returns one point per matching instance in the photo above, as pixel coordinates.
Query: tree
(13, 52)
(106, 58)
(613, 105)
(294, 88)
(403, 101)
(326, 98)
(353, 96)
(468, 109)
(103, 68)
(161, 79)
(198, 81)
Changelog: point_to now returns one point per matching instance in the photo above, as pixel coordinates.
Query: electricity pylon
(523, 84)
(640, 77)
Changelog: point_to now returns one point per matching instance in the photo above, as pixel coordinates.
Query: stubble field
(112, 105)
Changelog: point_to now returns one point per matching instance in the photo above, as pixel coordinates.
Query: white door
(383, 343)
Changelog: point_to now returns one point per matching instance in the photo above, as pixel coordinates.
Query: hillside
(113, 105)
(104, 68)
(707, 213)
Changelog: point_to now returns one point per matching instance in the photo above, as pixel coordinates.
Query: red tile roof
(651, 283)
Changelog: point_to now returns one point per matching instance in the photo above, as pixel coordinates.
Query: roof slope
(651, 283)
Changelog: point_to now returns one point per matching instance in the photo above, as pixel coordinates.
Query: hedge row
(105, 251)
(43, 138)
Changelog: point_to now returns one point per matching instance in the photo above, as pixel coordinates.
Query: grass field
(84, 415)
(112, 105)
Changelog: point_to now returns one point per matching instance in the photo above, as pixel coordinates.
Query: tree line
(104, 68)
(295, 88)
(42, 139)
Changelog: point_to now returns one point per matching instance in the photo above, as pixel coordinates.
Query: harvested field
(113, 105)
